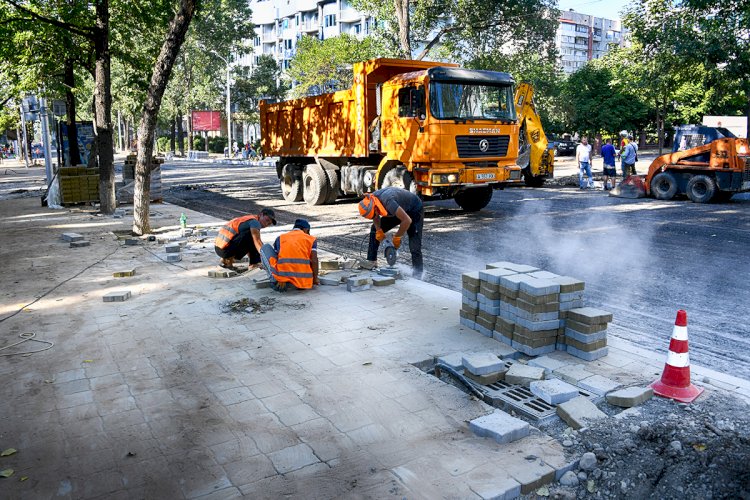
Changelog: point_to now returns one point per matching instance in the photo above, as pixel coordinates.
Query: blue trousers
(584, 167)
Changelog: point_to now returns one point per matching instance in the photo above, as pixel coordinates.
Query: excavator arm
(536, 160)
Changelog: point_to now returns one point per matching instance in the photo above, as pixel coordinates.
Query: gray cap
(270, 214)
(301, 224)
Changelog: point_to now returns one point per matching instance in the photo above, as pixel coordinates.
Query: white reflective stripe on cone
(679, 333)
(678, 360)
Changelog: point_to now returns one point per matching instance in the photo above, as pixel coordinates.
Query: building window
(285, 64)
(411, 102)
(256, 41)
(296, 20)
(285, 23)
(357, 28)
(581, 28)
(287, 45)
(330, 20)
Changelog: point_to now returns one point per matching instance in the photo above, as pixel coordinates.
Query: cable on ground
(27, 336)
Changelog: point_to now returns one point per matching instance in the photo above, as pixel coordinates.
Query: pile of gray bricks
(532, 310)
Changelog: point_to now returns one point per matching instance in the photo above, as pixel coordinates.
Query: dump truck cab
(432, 128)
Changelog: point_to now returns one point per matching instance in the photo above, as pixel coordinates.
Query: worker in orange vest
(241, 236)
(293, 259)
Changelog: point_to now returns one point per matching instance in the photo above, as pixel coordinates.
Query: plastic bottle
(183, 221)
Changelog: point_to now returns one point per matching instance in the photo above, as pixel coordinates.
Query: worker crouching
(241, 236)
(293, 258)
(390, 207)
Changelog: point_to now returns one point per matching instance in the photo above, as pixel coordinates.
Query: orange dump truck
(432, 128)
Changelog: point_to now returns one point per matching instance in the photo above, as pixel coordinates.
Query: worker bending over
(293, 259)
(241, 236)
(390, 207)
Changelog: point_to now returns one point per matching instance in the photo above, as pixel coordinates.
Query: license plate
(485, 177)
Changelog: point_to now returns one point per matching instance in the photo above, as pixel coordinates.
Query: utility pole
(45, 140)
(25, 149)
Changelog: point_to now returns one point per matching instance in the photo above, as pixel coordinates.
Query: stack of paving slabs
(125, 193)
(79, 184)
(586, 332)
(527, 308)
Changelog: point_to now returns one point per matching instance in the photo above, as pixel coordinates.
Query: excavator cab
(535, 158)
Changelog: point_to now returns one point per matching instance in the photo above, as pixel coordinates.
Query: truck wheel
(315, 185)
(475, 199)
(291, 183)
(530, 180)
(401, 178)
(333, 185)
(701, 189)
(664, 186)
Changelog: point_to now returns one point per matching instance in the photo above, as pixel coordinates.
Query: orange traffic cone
(675, 380)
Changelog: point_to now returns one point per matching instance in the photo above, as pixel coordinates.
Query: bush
(162, 144)
(217, 144)
(198, 143)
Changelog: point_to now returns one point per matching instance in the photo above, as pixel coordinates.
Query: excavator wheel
(664, 186)
(315, 185)
(701, 189)
(291, 183)
(474, 199)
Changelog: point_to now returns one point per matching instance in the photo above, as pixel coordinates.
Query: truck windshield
(461, 101)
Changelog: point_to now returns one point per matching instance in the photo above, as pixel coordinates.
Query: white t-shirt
(583, 153)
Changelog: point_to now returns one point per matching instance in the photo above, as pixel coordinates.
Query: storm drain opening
(500, 394)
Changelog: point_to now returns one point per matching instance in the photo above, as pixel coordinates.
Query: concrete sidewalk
(170, 395)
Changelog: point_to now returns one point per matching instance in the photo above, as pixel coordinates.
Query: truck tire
(701, 189)
(401, 178)
(314, 185)
(291, 183)
(333, 186)
(474, 199)
(664, 186)
(530, 180)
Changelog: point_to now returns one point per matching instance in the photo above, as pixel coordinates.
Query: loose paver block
(389, 271)
(174, 257)
(132, 241)
(124, 274)
(70, 237)
(520, 374)
(590, 315)
(586, 338)
(482, 363)
(454, 360)
(329, 265)
(120, 296)
(262, 282)
(500, 426)
(568, 284)
(487, 379)
(80, 244)
(549, 364)
(471, 278)
(630, 396)
(536, 287)
(572, 374)
(493, 275)
(173, 248)
(383, 280)
(554, 391)
(543, 275)
(224, 273)
(358, 284)
(599, 385)
(578, 411)
(534, 476)
(330, 280)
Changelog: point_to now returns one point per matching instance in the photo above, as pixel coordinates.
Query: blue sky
(609, 9)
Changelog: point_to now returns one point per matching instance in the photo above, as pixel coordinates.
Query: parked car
(565, 146)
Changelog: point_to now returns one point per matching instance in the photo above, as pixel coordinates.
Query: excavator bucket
(632, 187)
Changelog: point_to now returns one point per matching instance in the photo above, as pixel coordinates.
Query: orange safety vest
(293, 262)
(230, 230)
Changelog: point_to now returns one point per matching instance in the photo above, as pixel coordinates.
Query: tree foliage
(263, 83)
(322, 66)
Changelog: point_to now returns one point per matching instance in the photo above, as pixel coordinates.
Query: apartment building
(582, 37)
(279, 24)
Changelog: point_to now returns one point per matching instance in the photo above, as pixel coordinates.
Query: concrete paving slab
(500, 426)
(630, 396)
(572, 373)
(549, 364)
(553, 391)
(599, 384)
(80, 244)
(482, 363)
(520, 374)
(579, 411)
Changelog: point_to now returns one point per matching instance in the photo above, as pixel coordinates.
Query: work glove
(397, 242)
(379, 235)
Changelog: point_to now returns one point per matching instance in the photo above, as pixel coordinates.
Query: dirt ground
(663, 449)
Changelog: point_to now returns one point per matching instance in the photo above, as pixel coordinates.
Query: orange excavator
(706, 164)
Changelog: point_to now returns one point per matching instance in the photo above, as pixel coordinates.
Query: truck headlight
(515, 175)
(444, 178)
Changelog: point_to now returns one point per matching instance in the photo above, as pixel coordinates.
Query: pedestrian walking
(583, 157)
(610, 171)
(241, 236)
(390, 207)
(293, 258)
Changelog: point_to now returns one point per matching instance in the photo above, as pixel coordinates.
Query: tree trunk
(74, 155)
(180, 133)
(103, 109)
(402, 14)
(172, 126)
(162, 69)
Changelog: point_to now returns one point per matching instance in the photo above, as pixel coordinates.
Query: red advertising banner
(206, 120)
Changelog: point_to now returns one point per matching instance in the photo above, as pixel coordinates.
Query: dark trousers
(415, 239)
(238, 247)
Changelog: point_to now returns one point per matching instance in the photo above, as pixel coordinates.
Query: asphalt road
(641, 259)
